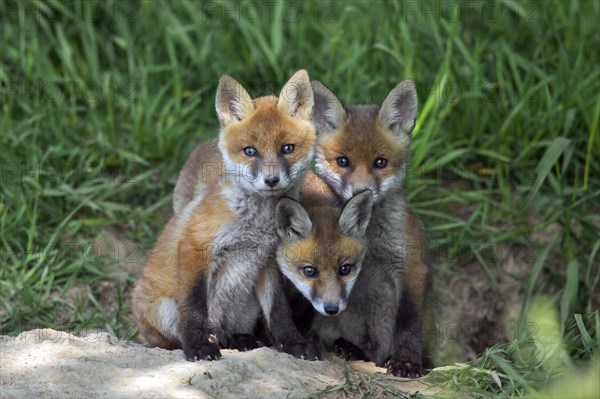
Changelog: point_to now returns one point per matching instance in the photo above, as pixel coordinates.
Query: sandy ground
(48, 363)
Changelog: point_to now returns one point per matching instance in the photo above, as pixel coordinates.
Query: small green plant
(188, 381)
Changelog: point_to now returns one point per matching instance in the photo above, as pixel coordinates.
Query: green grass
(360, 385)
(102, 103)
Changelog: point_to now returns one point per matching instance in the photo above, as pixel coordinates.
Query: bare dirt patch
(48, 363)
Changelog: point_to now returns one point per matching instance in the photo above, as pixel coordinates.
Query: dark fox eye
(345, 269)
(309, 271)
(250, 151)
(380, 163)
(343, 161)
(287, 148)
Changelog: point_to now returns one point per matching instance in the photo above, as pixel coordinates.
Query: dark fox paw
(402, 367)
(306, 350)
(347, 350)
(207, 351)
(244, 342)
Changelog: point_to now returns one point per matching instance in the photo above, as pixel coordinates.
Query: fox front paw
(207, 351)
(347, 350)
(306, 350)
(244, 342)
(402, 367)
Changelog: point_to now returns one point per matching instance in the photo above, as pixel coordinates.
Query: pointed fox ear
(296, 98)
(399, 109)
(293, 223)
(356, 215)
(233, 103)
(329, 113)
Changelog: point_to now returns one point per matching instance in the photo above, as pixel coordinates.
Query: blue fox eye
(309, 271)
(287, 148)
(343, 161)
(250, 151)
(345, 269)
(380, 163)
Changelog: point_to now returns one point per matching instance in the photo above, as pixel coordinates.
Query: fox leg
(407, 358)
(278, 316)
(193, 305)
(194, 326)
(415, 308)
(232, 306)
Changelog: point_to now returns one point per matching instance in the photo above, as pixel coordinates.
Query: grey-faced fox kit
(323, 245)
(211, 271)
(367, 147)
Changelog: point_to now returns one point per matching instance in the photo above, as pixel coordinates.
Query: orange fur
(267, 130)
(416, 273)
(158, 280)
(316, 192)
(363, 145)
(195, 247)
(182, 252)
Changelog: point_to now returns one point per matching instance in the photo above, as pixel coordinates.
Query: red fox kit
(323, 245)
(367, 147)
(210, 273)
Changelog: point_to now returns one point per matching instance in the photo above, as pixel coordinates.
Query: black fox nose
(331, 309)
(271, 181)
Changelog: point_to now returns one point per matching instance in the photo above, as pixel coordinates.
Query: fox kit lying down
(209, 275)
(367, 147)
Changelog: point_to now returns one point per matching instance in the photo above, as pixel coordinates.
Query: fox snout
(328, 308)
(271, 175)
(271, 180)
(330, 299)
(331, 309)
(361, 180)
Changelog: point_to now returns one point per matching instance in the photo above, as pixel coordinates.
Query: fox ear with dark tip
(293, 222)
(329, 113)
(356, 214)
(233, 103)
(399, 109)
(296, 98)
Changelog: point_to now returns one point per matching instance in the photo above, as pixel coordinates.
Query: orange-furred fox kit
(209, 276)
(367, 147)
